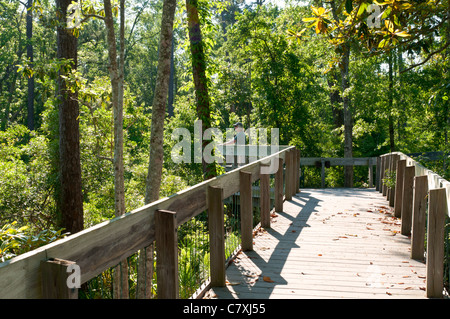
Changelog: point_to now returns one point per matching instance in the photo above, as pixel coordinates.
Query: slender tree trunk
(447, 74)
(160, 97)
(391, 104)
(153, 182)
(348, 121)
(171, 82)
(335, 100)
(117, 103)
(347, 113)
(71, 199)
(199, 74)
(30, 56)
(401, 105)
(116, 74)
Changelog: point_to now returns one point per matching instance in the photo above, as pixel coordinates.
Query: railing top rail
(435, 181)
(339, 161)
(106, 244)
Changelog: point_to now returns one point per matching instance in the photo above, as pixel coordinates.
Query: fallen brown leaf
(267, 279)
(232, 283)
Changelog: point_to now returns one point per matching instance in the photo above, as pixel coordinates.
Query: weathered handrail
(323, 162)
(415, 187)
(104, 245)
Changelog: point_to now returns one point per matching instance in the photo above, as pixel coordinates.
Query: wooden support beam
(377, 174)
(435, 242)
(322, 173)
(407, 202)
(264, 200)
(55, 279)
(166, 254)
(216, 236)
(395, 159)
(388, 168)
(279, 187)
(297, 172)
(289, 175)
(383, 174)
(245, 181)
(398, 200)
(339, 161)
(370, 176)
(419, 217)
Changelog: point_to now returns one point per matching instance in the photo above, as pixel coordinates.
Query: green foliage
(15, 240)
(389, 179)
(25, 183)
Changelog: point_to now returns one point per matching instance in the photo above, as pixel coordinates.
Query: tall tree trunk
(117, 103)
(199, 74)
(116, 74)
(335, 100)
(30, 57)
(447, 111)
(401, 104)
(71, 199)
(347, 113)
(171, 82)
(154, 174)
(348, 121)
(391, 104)
(153, 182)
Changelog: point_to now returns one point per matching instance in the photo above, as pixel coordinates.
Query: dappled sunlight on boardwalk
(328, 243)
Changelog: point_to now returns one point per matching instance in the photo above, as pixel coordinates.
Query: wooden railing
(415, 189)
(327, 162)
(42, 273)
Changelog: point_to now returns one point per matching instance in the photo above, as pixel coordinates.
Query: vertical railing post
(407, 201)
(398, 200)
(297, 171)
(289, 175)
(245, 185)
(389, 169)
(395, 159)
(377, 174)
(370, 173)
(54, 276)
(419, 217)
(216, 236)
(437, 209)
(383, 173)
(279, 187)
(264, 199)
(166, 254)
(322, 173)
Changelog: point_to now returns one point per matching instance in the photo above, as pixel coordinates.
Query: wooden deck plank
(328, 243)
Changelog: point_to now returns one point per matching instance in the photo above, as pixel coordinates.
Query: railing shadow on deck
(279, 254)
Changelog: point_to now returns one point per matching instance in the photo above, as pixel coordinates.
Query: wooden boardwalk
(328, 243)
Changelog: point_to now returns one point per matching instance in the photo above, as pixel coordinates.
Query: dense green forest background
(258, 72)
